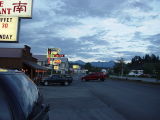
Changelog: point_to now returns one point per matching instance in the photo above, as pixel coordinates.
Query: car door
(62, 78)
(91, 77)
(56, 78)
(94, 76)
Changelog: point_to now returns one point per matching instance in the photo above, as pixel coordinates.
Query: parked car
(57, 78)
(20, 98)
(94, 76)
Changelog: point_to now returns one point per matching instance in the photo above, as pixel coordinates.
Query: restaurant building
(21, 59)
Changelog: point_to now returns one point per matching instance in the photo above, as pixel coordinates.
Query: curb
(139, 81)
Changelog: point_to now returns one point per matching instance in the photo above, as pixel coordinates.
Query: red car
(94, 76)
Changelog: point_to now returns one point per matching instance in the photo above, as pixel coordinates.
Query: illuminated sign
(8, 29)
(57, 61)
(16, 8)
(57, 55)
(50, 61)
(3, 70)
(53, 51)
(41, 71)
(56, 67)
(76, 66)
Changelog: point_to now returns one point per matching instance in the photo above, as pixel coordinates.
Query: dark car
(57, 78)
(94, 76)
(20, 98)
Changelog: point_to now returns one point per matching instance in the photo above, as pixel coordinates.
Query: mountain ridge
(109, 64)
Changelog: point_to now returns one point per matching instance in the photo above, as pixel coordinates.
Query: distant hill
(109, 64)
(80, 62)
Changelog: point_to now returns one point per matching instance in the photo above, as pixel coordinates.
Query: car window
(5, 111)
(55, 76)
(26, 90)
(91, 74)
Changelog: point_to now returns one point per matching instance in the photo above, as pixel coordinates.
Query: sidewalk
(147, 80)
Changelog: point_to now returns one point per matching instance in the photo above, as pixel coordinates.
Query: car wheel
(99, 79)
(45, 83)
(66, 83)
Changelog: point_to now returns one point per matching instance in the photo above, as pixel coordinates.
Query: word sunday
(6, 37)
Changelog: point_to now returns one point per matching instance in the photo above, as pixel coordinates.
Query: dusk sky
(93, 30)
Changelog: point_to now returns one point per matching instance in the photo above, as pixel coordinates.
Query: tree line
(149, 63)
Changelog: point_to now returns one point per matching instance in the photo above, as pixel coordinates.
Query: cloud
(142, 5)
(83, 8)
(154, 46)
(93, 29)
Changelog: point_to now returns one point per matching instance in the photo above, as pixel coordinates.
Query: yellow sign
(3, 70)
(56, 67)
(8, 29)
(76, 66)
(16, 8)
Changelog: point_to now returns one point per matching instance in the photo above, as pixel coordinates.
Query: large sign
(8, 29)
(53, 51)
(52, 61)
(16, 8)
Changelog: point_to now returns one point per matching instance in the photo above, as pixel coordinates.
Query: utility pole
(122, 70)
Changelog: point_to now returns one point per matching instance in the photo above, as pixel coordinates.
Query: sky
(92, 30)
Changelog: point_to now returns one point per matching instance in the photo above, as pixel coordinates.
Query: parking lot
(108, 100)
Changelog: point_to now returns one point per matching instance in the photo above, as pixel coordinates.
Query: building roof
(34, 65)
(11, 52)
(40, 57)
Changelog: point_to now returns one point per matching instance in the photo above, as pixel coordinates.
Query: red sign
(48, 60)
(59, 55)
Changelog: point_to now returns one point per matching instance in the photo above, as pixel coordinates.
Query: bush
(158, 76)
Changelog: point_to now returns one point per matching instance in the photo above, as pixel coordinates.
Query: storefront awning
(35, 65)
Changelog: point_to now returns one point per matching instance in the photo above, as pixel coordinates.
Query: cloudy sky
(93, 30)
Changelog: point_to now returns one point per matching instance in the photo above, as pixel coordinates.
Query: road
(108, 100)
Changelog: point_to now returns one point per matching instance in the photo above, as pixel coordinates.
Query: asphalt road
(108, 100)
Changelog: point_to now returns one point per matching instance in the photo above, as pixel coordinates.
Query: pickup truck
(94, 76)
(57, 78)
